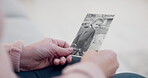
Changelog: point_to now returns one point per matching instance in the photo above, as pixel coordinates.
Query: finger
(69, 58)
(56, 61)
(63, 44)
(62, 60)
(62, 51)
(60, 43)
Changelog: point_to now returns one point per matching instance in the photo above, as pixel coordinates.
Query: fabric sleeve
(14, 50)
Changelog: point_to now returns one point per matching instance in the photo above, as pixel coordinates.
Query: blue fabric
(53, 71)
(128, 75)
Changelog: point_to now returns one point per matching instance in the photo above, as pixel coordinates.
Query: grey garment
(84, 38)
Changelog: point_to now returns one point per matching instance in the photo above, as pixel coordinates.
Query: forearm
(83, 70)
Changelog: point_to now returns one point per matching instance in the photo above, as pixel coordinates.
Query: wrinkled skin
(45, 53)
(105, 59)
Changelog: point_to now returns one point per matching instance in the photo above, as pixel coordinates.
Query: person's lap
(48, 72)
(53, 71)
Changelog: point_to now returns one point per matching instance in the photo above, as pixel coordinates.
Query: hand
(105, 59)
(45, 53)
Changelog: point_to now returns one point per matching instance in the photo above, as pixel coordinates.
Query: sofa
(18, 26)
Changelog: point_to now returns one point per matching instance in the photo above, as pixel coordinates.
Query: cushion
(12, 8)
(20, 29)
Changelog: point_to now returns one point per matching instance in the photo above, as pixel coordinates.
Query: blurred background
(32, 20)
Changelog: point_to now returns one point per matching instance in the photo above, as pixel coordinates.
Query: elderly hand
(106, 60)
(45, 53)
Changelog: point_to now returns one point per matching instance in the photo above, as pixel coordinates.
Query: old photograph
(91, 33)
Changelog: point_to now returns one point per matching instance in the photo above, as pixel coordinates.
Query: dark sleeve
(78, 35)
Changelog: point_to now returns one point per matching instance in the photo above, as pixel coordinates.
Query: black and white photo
(91, 33)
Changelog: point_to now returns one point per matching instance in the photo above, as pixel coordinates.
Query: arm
(83, 70)
(41, 54)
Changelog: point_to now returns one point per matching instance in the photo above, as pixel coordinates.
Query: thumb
(63, 51)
